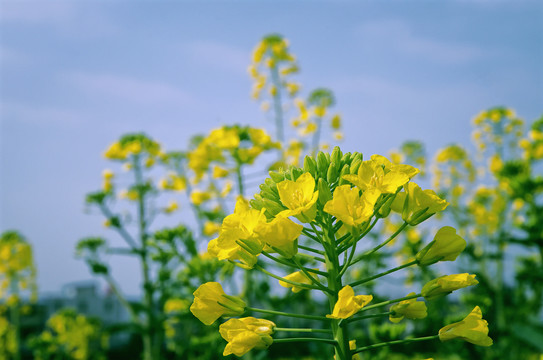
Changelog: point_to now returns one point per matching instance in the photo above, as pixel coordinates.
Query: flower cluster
(311, 114)
(237, 144)
(17, 270)
(271, 66)
(326, 208)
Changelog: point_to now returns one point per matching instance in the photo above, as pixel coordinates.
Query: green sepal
(331, 175)
(276, 176)
(344, 171)
(325, 194)
(336, 156)
(310, 166)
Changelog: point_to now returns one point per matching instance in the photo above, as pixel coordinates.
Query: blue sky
(76, 75)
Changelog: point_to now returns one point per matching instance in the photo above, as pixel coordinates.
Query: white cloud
(140, 92)
(222, 56)
(398, 36)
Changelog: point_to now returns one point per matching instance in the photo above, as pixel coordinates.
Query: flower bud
(336, 156)
(310, 166)
(322, 164)
(325, 194)
(245, 334)
(344, 171)
(332, 173)
(447, 284)
(276, 176)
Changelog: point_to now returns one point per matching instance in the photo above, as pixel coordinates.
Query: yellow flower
(408, 170)
(416, 205)
(352, 346)
(299, 197)
(129, 194)
(446, 246)
(372, 175)
(239, 227)
(348, 303)
(411, 309)
(298, 277)
(219, 172)
(472, 329)
(175, 305)
(172, 206)
(227, 188)
(245, 334)
(495, 164)
(115, 152)
(108, 174)
(446, 284)
(281, 234)
(336, 122)
(350, 207)
(198, 197)
(224, 138)
(206, 305)
(211, 228)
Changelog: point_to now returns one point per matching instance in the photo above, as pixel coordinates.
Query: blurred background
(75, 76)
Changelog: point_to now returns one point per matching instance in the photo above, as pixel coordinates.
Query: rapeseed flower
(211, 302)
(239, 228)
(446, 246)
(416, 205)
(245, 334)
(351, 207)
(411, 309)
(299, 197)
(348, 303)
(372, 175)
(281, 235)
(472, 329)
(298, 277)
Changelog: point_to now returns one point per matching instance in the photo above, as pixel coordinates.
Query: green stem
(239, 178)
(306, 248)
(291, 264)
(350, 259)
(120, 229)
(16, 316)
(340, 332)
(366, 254)
(316, 258)
(363, 317)
(278, 107)
(384, 303)
(311, 236)
(383, 273)
(281, 313)
(150, 351)
(323, 331)
(316, 136)
(329, 341)
(310, 277)
(395, 342)
(297, 284)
